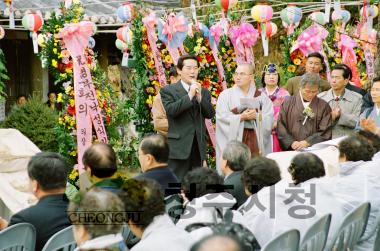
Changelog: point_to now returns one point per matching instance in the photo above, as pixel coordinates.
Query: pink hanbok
(277, 97)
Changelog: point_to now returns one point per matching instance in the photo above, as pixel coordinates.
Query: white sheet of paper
(250, 103)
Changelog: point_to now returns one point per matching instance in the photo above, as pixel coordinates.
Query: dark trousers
(181, 167)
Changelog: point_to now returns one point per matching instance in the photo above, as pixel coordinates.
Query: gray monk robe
(229, 127)
(291, 118)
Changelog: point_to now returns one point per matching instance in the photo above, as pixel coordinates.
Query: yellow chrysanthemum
(72, 122)
(54, 63)
(291, 68)
(59, 98)
(149, 101)
(144, 47)
(72, 102)
(69, 71)
(199, 40)
(63, 75)
(338, 60)
(168, 59)
(297, 61)
(66, 118)
(73, 153)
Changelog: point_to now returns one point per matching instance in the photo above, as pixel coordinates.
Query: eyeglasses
(270, 68)
(241, 74)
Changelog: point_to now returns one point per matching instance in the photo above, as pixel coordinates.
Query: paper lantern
(341, 16)
(91, 43)
(372, 11)
(318, 17)
(2, 32)
(291, 17)
(125, 34)
(41, 40)
(262, 13)
(121, 45)
(125, 12)
(273, 30)
(33, 22)
(226, 5)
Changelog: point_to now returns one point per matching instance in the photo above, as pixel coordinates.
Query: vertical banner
(76, 38)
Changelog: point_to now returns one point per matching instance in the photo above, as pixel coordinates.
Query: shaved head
(247, 68)
(101, 159)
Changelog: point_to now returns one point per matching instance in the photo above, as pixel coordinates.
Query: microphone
(194, 82)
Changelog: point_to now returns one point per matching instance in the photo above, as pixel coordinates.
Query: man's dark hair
(143, 199)
(157, 146)
(305, 166)
(101, 159)
(183, 58)
(49, 170)
(236, 154)
(201, 245)
(376, 79)
(318, 55)
(356, 148)
(20, 96)
(374, 139)
(260, 172)
(173, 72)
(346, 70)
(201, 181)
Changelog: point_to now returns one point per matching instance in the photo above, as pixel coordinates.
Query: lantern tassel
(35, 43)
(11, 16)
(124, 61)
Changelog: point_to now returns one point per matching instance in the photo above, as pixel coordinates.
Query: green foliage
(3, 74)
(142, 114)
(36, 121)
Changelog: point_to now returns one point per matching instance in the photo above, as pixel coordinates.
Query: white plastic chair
(62, 240)
(287, 241)
(21, 236)
(351, 229)
(316, 236)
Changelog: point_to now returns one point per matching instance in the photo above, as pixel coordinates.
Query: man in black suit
(153, 158)
(187, 105)
(48, 177)
(234, 157)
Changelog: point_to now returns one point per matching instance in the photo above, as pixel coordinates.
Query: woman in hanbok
(270, 81)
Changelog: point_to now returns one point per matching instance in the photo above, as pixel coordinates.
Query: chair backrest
(62, 240)
(287, 241)
(129, 238)
(316, 236)
(376, 245)
(20, 236)
(352, 227)
(174, 207)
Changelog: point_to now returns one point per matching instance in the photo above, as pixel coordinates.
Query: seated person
(300, 204)
(260, 174)
(100, 161)
(48, 177)
(304, 118)
(52, 102)
(144, 200)
(104, 232)
(153, 158)
(234, 157)
(351, 85)
(217, 243)
(370, 118)
(374, 140)
(345, 104)
(204, 199)
(358, 182)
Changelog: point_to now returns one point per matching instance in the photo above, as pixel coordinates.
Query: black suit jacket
(164, 176)
(48, 217)
(186, 119)
(238, 191)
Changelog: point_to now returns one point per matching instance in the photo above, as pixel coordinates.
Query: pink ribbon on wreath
(173, 33)
(216, 32)
(243, 37)
(347, 45)
(311, 40)
(87, 111)
(150, 22)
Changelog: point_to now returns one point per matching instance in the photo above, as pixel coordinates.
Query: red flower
(104, 104)
(209, 58)
(71, 110)
(199, 59)
(108, 119)
(206, 83)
